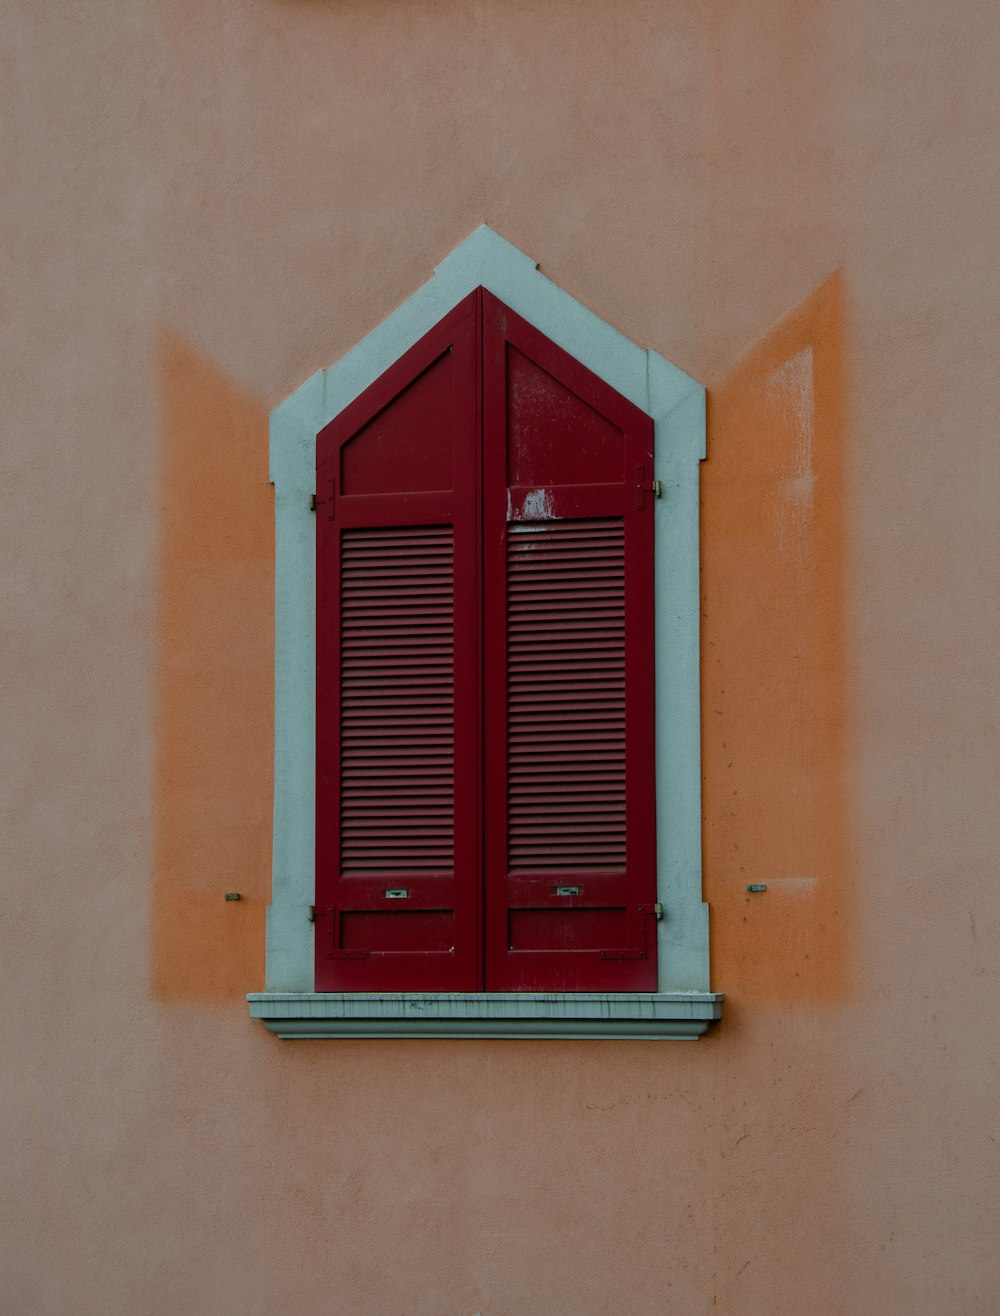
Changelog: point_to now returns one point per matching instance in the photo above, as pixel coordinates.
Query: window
(502, 808)
(485, 811)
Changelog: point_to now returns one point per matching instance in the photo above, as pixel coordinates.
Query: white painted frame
(676, 403)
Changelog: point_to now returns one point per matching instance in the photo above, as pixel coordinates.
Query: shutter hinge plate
(644, 486)
(321, 499)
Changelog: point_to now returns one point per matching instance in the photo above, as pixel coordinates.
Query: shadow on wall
(214, 684)
(773, 663)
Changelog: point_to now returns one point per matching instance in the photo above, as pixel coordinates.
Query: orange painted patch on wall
(214, 684)
(773, 663)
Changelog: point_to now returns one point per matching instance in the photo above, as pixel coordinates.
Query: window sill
(619, 1015)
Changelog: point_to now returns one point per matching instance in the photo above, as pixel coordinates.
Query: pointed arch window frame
(684, 1005)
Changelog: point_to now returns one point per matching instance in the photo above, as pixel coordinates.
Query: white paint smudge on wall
(790, 396)
(790, 408)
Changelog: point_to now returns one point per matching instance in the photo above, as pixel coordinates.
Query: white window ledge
(621, 1015)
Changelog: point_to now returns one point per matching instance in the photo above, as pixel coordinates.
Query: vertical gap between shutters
(480, 634)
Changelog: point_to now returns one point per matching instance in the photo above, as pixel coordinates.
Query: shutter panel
(568, 613)
(398, 756)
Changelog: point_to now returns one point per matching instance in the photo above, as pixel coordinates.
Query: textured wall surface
(206, 202)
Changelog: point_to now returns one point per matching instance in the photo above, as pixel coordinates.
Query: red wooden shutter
(398, 784)
(568, 685)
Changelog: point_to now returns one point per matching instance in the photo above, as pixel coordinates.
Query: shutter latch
(644, 486)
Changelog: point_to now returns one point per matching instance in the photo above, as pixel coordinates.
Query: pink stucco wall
(203, 204)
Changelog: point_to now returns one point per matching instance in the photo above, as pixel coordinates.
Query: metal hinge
(644, 486)
(318, 499)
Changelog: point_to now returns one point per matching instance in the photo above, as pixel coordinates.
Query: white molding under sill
(617, 1015)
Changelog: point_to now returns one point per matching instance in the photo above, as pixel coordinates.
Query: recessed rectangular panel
(567, 929)
(399, 931)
